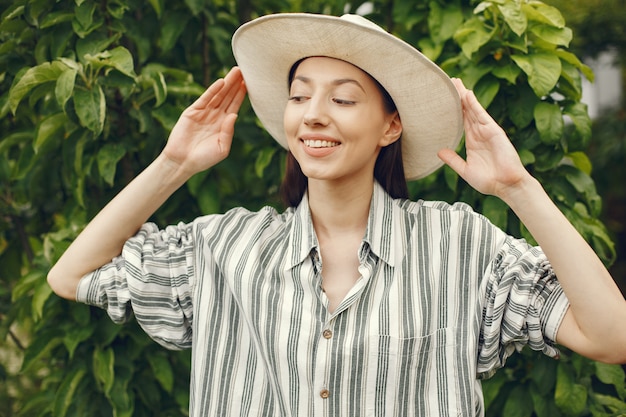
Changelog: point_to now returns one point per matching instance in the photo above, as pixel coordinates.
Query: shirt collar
(302, 239)
(382, 221)
(378, 235)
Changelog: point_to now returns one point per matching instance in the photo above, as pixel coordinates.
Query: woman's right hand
(203, 134)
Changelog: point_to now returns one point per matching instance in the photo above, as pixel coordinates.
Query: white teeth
(320, 143)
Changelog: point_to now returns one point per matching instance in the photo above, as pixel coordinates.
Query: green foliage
(88, 93)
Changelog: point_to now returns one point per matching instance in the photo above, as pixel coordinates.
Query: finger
(460, 87)
(238, 97)
(232, 86)
(476, 110)
(453, 160)
(204, 99)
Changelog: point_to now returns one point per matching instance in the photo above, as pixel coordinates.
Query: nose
(316, 112)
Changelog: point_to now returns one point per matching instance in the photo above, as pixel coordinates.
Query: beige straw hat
(429, 106)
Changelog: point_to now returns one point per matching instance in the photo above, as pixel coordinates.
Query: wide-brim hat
(429, 106)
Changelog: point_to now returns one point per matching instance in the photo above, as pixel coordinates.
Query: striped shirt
(443, 298)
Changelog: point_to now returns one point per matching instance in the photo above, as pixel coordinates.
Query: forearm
(105, 235)
(594, 323)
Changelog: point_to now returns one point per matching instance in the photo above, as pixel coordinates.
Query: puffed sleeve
(523, 305)
(152, 279)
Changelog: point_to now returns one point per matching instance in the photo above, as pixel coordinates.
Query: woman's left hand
(492, 165)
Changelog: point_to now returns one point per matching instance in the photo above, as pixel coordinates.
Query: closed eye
(297, 99)
(344, 102)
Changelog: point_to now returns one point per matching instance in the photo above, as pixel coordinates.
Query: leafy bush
(88, 93)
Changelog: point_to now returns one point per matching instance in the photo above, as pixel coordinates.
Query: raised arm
(200, 139)
(594, 324)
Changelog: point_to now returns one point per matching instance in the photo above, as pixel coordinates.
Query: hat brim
(429, 106)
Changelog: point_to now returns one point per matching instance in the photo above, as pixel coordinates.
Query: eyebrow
(336, 82)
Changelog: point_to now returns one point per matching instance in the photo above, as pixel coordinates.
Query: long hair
(388, 170)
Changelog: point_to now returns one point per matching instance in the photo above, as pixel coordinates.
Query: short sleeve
(523, 305)
(153, 280)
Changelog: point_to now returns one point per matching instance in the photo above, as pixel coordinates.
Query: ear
(393, 130)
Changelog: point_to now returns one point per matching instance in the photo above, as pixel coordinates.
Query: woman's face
(335, 120)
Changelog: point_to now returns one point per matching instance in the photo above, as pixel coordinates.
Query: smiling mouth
(320, 143)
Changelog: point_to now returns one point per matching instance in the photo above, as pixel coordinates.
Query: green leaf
(195, 6)
(526, 156)
(172, 27)
(167, 115)
(486, 90)
(104, 368)
(43, 343)
(543, 71)
(264, 158)
(472, 35)
(208, 198)
(615, 406)
(579, 115)
(496, 211)
(451, 178)
(556, 36)
(90, 107)
(573, 59)
(492, 388)
(13, 139)
(543, 375)
(429, 48)
(581, 161)
(162, 370)
(519, 403)
(507, 72)
(47, 129)
(46, 72)
(612, 375)
(65, 394)
(40, 296)
(84, 22)
(156, 5)
(75, 336)
(94, 44)
(521, 110)
(160, 88)
(570, 84)
(120, 397)
(26, 284)
(540, 12)
(514, 17)
(443, 21)
(55, 18)
(570, 397)
(121, 59)
(549, 122)
(65, 86)
(108, 157)
(474, 73)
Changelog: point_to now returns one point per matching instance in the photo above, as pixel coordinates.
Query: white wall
(606, 90)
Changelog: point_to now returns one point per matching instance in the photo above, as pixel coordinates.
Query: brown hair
(388, 170)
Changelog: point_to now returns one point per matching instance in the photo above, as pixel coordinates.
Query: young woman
(354, 301)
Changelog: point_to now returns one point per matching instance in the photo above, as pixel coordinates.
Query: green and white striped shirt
(443, 299)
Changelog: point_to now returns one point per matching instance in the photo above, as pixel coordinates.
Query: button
(324, 393)
(327, 334)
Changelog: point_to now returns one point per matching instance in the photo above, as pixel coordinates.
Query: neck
(339, 208)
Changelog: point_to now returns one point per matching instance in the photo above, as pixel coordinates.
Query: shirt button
(324, 393)
(327, 334)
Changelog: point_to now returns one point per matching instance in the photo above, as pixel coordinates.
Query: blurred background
(600, 38)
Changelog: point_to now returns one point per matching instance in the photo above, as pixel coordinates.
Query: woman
(354, 301)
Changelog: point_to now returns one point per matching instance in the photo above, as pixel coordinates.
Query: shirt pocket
(411, 376)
